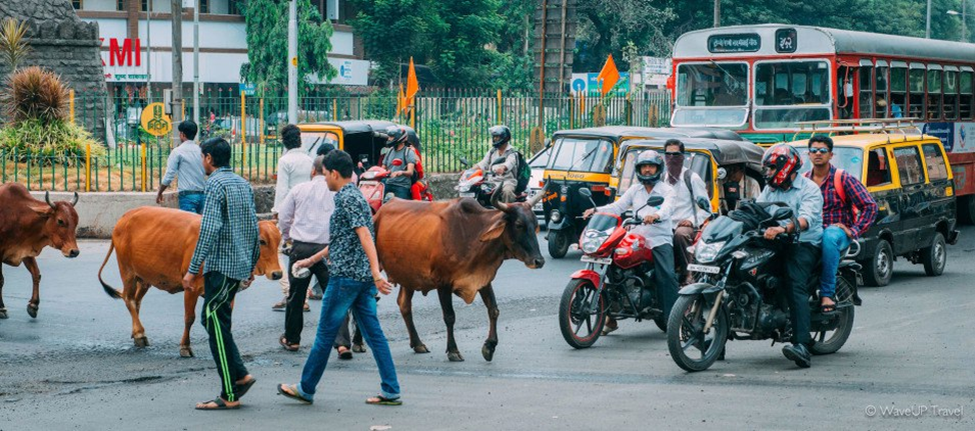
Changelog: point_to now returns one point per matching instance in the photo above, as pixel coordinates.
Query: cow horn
(496, 201)
(75, 200)
(47, 198)
(535, 199)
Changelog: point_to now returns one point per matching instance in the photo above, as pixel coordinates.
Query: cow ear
(43, 210)
(494, 232)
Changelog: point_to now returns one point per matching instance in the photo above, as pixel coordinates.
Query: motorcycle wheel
(558, 243)
(581, 327)
(690, 348)
(826, 342)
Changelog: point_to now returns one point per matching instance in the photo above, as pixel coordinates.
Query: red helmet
(779, 163)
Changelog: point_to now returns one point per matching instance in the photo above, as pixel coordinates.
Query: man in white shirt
(688, 216)
(293, 169)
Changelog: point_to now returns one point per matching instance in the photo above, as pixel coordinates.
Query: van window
(909, 165)
(935, 162)
(878, 169)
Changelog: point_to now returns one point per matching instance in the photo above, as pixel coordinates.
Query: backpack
(841, 191)
(418, 167)
(523, 173)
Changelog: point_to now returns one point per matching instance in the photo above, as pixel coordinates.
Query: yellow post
(71, 104)
(182, 105)
(260, 132)
(572, 115)
(143, 158)
(413, 114)
(499, 107)
(88, 167)
(243, 128)
(335, 110)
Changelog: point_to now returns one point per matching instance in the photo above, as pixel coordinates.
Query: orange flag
(400, 100)
(412, 85)
(609, 76)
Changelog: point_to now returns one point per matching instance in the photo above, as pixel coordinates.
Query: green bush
(62, 141)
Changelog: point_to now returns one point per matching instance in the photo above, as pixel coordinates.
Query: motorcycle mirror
(703, 204)
(722, 173)
(586, 193)
(655, 201)
(463, 161)
(782, 213)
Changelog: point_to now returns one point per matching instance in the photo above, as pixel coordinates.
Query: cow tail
(111, 291)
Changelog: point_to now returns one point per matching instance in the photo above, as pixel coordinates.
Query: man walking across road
(185, 162)
(229, 243)
(355, 278)
(293, 169)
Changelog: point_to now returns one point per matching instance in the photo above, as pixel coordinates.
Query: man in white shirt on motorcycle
(657, 228)
(689, 190)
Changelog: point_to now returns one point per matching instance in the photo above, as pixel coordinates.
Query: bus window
(950, 85)
(934, 95)
(916, 87)
(866, 92)
(880, 84)
(966, 98)
(791, 91)
(898, 92)
(712, 84)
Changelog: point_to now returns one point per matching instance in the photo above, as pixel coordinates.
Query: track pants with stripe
(217, 299)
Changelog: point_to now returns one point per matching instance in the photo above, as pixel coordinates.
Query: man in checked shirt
(229, 243)
(848, 211)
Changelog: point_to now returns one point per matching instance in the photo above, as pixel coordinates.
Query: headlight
(591, 245)
(463, 188)
(555, 216)
(705, 253)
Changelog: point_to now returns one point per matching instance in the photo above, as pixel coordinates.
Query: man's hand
(189, 280)
(650, 219)
(685, 223)
(499, 170)
(246, 283)
(159, 198)
(588, 213)
(382, 284)
(846, 230)
(304, 263)
(772, 232)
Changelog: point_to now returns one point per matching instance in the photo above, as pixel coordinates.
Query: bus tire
(966, 209)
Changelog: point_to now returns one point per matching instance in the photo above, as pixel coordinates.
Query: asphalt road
(907, 365)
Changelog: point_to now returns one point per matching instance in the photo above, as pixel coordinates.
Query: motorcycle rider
(688, 215)
(500, 143)
(841, 224)
(400, 161)
(783, 183)
(657, 227)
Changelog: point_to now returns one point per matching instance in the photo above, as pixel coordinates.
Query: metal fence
(452, 124)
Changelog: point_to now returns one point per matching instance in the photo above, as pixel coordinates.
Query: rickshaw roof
(864, 140)
(725, 152)
(620, 132)
(357, 126)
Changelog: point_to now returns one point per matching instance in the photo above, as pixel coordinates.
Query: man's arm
(485, 163)
(624, 203)
(365, 237)
(810, 206)
(172, 165)
(666, 210)
(209, 227)
(862, 199)
(286, 215)
(700, 191)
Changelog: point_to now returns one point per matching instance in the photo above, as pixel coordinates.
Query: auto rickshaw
(364, 140)
(584, 158)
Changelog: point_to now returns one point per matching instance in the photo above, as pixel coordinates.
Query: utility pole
(292, 62)
(927, 27)
(717, 13)
(176, 104)
(196, 63)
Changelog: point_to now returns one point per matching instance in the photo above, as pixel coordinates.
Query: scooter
(373, 187)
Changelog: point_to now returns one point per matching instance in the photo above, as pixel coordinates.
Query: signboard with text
(744, 42)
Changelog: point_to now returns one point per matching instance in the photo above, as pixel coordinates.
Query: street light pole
(196, 63)
(964, 21)
(927, 27)
(293, 62)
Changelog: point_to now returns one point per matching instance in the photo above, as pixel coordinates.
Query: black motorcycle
(740, 291)
(479, 185)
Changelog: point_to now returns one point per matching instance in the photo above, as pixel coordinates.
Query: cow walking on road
(454, 247)
(27, 225)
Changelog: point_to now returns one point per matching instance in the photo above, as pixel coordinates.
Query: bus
(761, 80)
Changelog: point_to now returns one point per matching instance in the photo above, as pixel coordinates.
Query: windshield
(310, 141)
(601, 223)
(799, 91)
(698, 162)
(540, 160)
(722, 229)
(845, 158)
(714, 94)
(585, 155)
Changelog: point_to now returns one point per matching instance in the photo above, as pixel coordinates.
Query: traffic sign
(155, 121)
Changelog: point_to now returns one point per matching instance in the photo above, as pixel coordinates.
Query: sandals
(291, 347)
(294, 394)
(220, 405)
(383, 401)
(344, 355)
(827, 309)
(242, 389)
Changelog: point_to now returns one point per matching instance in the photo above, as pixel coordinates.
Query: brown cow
(454, 247)
(27, 225)
(154, 247)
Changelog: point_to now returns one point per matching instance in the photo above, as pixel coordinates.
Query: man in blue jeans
(848, 211)
(355, 277)
(186, 162)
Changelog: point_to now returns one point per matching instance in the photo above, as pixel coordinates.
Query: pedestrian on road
(293, 169)
(229, 243)
(355, 278)
(185, 162)
(303, 220)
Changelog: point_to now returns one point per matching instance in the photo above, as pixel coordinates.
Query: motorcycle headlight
(706, 252)
(592, 241)
(464, 188)
(555, 216)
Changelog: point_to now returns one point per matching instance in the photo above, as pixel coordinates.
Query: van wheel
(558, 243)
(966, 209)
(879, 269)
(935, 257)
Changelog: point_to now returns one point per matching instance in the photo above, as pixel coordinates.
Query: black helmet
(395, 136)
(500, 135)
(649, 157)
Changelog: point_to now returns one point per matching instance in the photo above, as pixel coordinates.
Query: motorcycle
(479, 185)
(372, 186)
(739, 294)
(617, 280)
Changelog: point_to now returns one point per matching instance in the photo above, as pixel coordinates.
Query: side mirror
(722, 173)
(655, 201)
(586, 193)
(463, 161)
(703, 204)
(781, 213)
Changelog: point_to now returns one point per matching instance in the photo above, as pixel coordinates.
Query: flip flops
(220, 405)
(242, 389)
(288, 346)
(294, 394)
(383, 401)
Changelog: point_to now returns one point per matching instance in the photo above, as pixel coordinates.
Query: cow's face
(268, 264)
(517, 229)
(61, 221)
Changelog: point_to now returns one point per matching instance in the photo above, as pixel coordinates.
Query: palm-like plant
(34, 94)
(13, 42)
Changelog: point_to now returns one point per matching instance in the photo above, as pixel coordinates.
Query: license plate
(597, 260)
(467, 195)
(704, 268)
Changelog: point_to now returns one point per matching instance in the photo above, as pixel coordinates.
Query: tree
(392, 31)
(267, 41)
(605, 27)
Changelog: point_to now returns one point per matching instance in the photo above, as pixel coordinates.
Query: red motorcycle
(617, 280)
(373, 186)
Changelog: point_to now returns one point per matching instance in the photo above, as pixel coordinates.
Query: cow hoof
(455, 357)
(32, 310)
(421, 349)
(358, 348)
(185, 352)
(488, 352)
(3, 313)
(141, 342)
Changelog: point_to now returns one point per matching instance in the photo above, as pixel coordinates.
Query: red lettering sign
(122, 55)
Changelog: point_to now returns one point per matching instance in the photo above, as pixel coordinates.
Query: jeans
(835, 243)
(192, 202)
(341, 295)
(218, 295)
(800, 260)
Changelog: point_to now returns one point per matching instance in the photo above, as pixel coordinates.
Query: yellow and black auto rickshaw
(364, 140)
(584, 158)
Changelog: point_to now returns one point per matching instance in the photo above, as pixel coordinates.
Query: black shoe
(798, 354)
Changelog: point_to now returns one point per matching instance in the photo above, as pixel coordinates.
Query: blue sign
(943, 131)
(578, 85)
(247, 89)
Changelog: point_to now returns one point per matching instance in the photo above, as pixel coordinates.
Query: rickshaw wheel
(558, 243)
